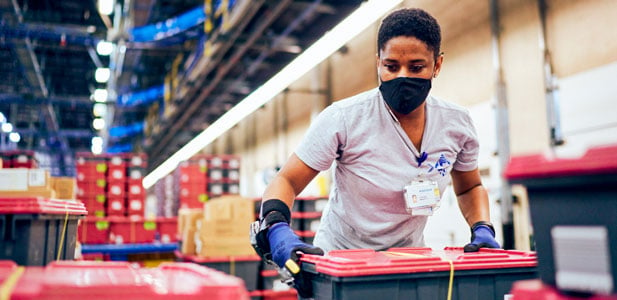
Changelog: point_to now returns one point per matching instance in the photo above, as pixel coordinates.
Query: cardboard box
(21, 182)
(49, 194)
(225, 227)
(188, 242)
(187, 219)
(21, 179)
(65, 187)
(226, 246)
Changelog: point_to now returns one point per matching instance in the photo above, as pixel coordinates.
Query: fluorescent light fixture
(97, 149)
(98, 124)
(2, 118)
(7, 127)
(100, 95)
(104, 48)
(106, 7)
(349, 28)
(97, 140)
(99, 110)
(101, 75)
(14, 137)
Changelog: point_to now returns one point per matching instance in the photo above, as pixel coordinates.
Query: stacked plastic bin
(111, 187)
(35, 231)
(196, 180)
(573, 204)
(116, 280)
(193, 181)
(19, 159)
(92, 182)
(306, 216)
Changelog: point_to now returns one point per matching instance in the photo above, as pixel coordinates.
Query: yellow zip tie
(66, 219)
(6, 289)
(451, 280)
(232, 266)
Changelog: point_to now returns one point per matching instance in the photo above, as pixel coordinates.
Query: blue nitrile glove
(284, 244)
(482, 236)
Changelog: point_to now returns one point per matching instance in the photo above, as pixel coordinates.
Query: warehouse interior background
(538, 76)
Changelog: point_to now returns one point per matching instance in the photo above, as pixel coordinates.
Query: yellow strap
(392, 253)
(6, 289)
(66, 220)
(451, 280)
(232, 266)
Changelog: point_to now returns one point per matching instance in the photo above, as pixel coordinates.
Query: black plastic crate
(305, 221)
(37, 231)
(573, 203)
(417, 273)
(245, 267)
(310, 204)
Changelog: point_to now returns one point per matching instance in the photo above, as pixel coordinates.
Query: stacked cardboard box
(23, 182)
(225, 227)
(221, 228)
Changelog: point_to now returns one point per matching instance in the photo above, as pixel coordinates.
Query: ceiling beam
(19, 99)
(188, 108)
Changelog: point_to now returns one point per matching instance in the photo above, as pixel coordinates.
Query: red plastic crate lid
(600, 160)
(39, 205)
(367, 262)
(7, 267)
(120, 280)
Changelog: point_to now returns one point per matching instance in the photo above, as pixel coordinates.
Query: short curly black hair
(412, 22)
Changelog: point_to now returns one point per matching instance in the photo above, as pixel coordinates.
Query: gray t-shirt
(375, 159)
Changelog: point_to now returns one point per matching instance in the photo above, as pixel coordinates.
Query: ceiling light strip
(350, 27)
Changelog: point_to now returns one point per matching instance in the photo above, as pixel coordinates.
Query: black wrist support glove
(283, 246)
(482, 236)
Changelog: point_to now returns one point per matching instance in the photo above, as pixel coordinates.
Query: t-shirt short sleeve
(323, 141)
(467, 158)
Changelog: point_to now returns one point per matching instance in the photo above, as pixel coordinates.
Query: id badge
(421, 194)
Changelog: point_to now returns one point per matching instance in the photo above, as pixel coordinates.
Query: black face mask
(404, 94)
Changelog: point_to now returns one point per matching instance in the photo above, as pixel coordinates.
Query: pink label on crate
(116, 205)
(202, 162)
(80, 191)
(217, 189)
(216, 162)
(81, 161)
(234, 163)
(135, 205)
(184, 192)
(116, 160)
(116, 190)
(22, 159)
(136, 161)
(184, 178)
(118, 174)
(80, 176)
(234, 175)
(216, 174)
(135, 189)
(234, 189)
(165, 238)
(136, 174)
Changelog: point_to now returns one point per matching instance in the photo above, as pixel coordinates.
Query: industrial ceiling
(176, 66)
